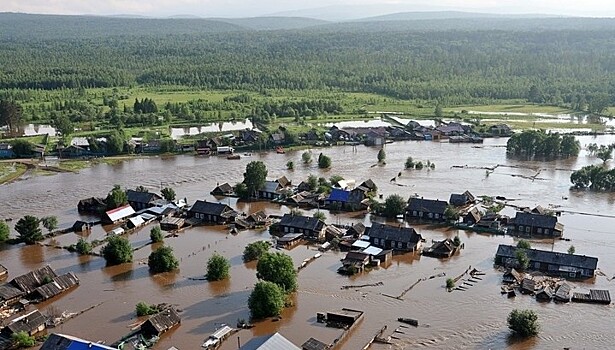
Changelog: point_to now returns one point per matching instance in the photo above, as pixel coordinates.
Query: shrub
(523, 323)
(217, 268)
(155, 234)
(266, 300)
(450, 283)
(83, 247)
(254, 251)
(162, 260)
(144, 309)
(524, 244)
(117, 251)
(23, 340)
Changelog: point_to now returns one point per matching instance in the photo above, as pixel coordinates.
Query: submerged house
(141, 200)
(92, 205)
(394, 238)
(430, 209)
(34, 279)
(223, 190)
(9, 295)
(211, 212)
(442, 249)
(269, 342)
(346, 199)
(57, 286)
(536, 224)
(271, 190)
(310, 227)
(160, 323)
(552, 263)
(31, 323)
(118, 214)
(460, 200)
(67, 342)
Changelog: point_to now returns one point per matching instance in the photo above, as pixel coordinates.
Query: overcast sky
(249, 8)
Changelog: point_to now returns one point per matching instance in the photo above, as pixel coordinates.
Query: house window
(399, 245)
(521, 228)
(286, 229)
(375, 240)
(430, 215)
(546, 231)
(539, 230)
(414, 213)
(527, 229)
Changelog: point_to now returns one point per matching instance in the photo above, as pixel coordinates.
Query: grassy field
(11, 171)
(513, 108)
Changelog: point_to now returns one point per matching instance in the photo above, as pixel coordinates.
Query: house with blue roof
(346, 200)
(66, 342)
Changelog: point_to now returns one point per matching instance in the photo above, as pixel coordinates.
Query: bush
(155, 234)
(450, 283)
(117, 251)
(144, 309)
(83, 247)
(290, 165)
(393, 205)
(254, 251)
(523, 323)
(266, 300)
(324, 162)
(571, 250)
(279, 269)
(4, 231)
(306, 157)
(50, 223)
(162, 260)
(409, 163)
(320, 216)
(217, 268)
(381, 155)
(522, 259)
(23, 340)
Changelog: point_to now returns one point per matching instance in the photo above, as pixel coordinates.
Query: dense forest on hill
(453, 66)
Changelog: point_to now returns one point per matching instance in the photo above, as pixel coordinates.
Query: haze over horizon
(322, 9)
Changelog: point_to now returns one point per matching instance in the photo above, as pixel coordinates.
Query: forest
(564, 66)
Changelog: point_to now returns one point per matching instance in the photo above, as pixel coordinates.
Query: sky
(343, 9)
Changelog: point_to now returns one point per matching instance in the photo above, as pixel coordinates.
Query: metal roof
(136, 221)
(120, 213)
(537, 220)
(270, 342)
(360, 244)
(338, 195)
(372, 251)
(66, 342)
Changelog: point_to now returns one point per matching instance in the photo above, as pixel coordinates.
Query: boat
(233, 156)
(409, 321)
(280, 150)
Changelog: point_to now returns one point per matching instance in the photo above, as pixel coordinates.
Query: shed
(528, 286)
(118, 214)
(160, 322)
(135, 222)
(214, 340)
(290, 240)
(9, 295)
(343, 318)
(172, 223)
(563, 293)
(31, 323)
(359, 244)
(545, 294)
(223, 190)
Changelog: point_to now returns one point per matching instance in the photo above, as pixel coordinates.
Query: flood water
(474, 319)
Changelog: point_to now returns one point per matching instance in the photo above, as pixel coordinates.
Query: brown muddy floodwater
(474, 319)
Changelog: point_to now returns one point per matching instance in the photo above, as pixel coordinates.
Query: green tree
(451, 213)
(50, 223)
(4, 231)
(266, 300)
(255, 176)
(117, 251)
(393, 206)
(23, 340)
(409, 163)
(155, 234)
(306, 157)
(438, 111)
(29, 230)
(599, 103)
(418, 165)
(381, 155)
(324, 162)
(10, 115)
(571, 250)
(115, 142)
(63, 124)
(320, 216)
(604, 153)
(290, 165)
(22, 148)
(83, 247)
(116, 198)
(255, 250)
(162, 260)
(312, 182)
(241, 190)
(450, 283)
(535, 95)
(144, 309)
(457, 241)
(523, 261)
(168, 193)
(523, 323)
(524, 244)
(218, 268)
(141, 188)
(279, 269)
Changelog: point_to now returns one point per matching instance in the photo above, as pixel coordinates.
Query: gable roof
(270, 186)
(141, 197)
(427, 205)
(211, 208)
(548, 257)
(59, 285)
(338, 195)
(302, 222)
(393, 233)
(369, 184)
(33, 279)
(164, 320)
(283, 181)
(314, 344)
(270, 342)
(120, 213)
(445, 246)
(67, 342)
(224, 188)
(359, 228)
(259, 216)
(8, 292)
(537, 220)
(27, 323)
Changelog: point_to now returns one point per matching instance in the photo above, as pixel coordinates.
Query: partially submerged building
(426, 209)
(310, 227)
(118, 214)
(57, 341)
(536, 224)
(31, 323)
(552, 263)
(160, 323)
(394, 237)
(269, 342)
(211, 212)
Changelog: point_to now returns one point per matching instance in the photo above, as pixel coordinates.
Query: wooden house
(426, 209)
(9, 295)
(31, 323)
(512, 276)
(376, 137)
(562, 293)
(346, 199)
(289, 240)
(552, 263)
(259, 218)
(356, 230)
(57, 341)
(595, 296)
(472, 217)
(30, 281)
(223, 190)
(4, 272)
(528, 286)
(343, 318)
(118, 214)
(394, 238)
(314, 344)
(92, 205)
(311, 228)
(160, 323)
(545, 294)
(210, 212)
(270, 190)
(463, 199)
(536, 224)
(57, 286)
(500, 130)
(354, 262)
(441, 249)
(141, 200)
